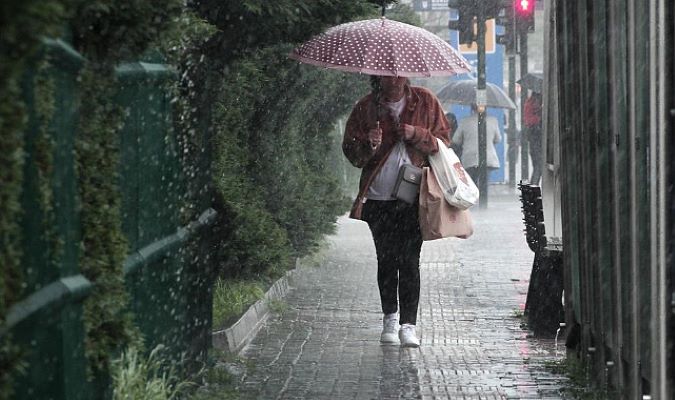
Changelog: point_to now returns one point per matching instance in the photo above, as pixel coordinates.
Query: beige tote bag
(438, 219)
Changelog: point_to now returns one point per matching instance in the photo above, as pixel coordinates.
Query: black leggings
(398, 243)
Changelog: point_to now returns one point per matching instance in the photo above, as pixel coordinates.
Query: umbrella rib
(341, 45)
(440, 47)
(367, 45)
(418, 56)
(460, 65)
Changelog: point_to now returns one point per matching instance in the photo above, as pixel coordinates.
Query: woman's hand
(405, 131)
(375, 137)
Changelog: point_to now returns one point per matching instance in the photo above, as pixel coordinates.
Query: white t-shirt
(382, 186)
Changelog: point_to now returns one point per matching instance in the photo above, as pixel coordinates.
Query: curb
(237, 336)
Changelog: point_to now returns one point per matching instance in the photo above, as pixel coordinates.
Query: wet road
(325, 344)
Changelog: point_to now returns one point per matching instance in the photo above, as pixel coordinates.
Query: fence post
(47, 324)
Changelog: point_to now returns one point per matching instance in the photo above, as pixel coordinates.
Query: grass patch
(277, 306)
(138, 377)
(580, 385)
(232, 298)
(219, 382)
(219, 385)
(520, 315)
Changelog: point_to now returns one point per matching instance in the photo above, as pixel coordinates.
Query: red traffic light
(524, 6)
(524, 10)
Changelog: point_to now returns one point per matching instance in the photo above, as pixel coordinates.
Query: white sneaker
(407, 336)
(389, 329)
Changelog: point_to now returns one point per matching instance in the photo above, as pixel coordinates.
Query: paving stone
(326, 344)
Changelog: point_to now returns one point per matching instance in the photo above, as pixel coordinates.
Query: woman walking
(395, 124)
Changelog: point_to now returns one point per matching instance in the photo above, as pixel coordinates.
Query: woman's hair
(376, 85)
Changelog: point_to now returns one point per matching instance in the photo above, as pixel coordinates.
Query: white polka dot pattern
(382, 47)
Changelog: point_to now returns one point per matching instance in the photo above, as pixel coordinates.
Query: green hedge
(269, 169)
(107, 33)
(275, 172)
(266, 123)
(108, 323)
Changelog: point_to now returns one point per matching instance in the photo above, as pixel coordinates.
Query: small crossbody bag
(407, 187)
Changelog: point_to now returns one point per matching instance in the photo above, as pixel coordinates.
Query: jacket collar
(411, 100)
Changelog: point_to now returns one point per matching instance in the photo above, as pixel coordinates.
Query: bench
(543, 308)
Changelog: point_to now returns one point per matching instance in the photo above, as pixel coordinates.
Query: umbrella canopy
(464, 92)
(382, 47)
(532, 81)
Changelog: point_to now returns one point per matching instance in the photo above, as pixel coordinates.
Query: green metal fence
(47, 324)
(169, 290)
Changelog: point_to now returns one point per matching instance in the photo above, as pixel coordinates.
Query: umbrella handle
(378, 128)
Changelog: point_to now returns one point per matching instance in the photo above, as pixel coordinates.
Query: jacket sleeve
(424, 138)
(355, 144)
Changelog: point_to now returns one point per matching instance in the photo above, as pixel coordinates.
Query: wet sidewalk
(325, 344)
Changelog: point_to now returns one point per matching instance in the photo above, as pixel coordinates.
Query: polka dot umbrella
(382, 47)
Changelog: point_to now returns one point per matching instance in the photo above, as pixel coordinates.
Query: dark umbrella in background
(464, 92)
(382, 47)
(532, 81)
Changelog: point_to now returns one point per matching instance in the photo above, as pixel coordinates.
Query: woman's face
(389, 83)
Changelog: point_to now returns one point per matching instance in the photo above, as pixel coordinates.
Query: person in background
(452, 120)
(466, 136)
(393, 125)
(532, 119)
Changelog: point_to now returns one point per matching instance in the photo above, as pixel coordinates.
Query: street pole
(524, 156)
(480, 102)
(513, 143)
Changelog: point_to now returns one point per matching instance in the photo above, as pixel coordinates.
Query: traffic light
(506, 19)
(465, 24)
(524, 10)
(491, 8)
(487, 8)
(501, 10)
(465, 28)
